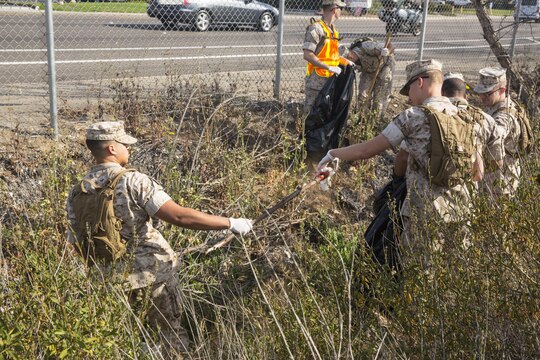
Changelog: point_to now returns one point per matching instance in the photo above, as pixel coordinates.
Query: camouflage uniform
(369, 54)
(491, 135)
(150, 266)
(313, 41)
(503, 181)
(506, 181)
(411, 130)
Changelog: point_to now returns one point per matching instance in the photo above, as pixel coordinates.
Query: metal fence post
(423, 33)
(52, 68)
(515, 29)
(279, 51)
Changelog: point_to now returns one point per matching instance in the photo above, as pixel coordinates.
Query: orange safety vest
(329, 53)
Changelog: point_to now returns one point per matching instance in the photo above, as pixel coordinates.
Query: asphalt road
(104, 46)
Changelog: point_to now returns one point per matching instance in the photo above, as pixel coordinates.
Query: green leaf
(91, 340)
(63, 354)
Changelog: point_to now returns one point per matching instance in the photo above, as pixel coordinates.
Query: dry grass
(290, 291)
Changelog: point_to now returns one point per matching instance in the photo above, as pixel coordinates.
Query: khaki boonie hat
(491, 78)
(333, 2)
(417, 68)
(109, 130)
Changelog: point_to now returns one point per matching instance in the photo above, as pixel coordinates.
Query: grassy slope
(291, 290)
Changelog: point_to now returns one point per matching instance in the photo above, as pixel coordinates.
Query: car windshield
(529, 2)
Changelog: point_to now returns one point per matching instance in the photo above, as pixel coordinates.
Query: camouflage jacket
(138, 197)
(368, 56)
(313, 39)
(491, 134)
(411, 130)
(503, 113)
(507, 180)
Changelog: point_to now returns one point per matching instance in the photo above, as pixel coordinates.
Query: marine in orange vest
(320, 47)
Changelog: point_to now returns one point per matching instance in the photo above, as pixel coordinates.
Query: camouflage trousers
(382, 88)
(424, 242)
(505, 181)
(313, 85)
(161, 307)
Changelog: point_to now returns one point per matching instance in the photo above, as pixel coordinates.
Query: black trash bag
(386, 192)
(382, 197)
(329, 113)
(381, 236)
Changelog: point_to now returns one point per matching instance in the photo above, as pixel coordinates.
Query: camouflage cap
(491, 78)
(109, 130)
(358, 42)
(451, 75)
(458, 76)
(416, 69)
(333, 2)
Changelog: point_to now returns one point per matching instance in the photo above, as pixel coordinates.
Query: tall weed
(303, 286)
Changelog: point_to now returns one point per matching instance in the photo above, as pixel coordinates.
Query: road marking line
(147, 59)
(182, 58)
(220, 46)
(151, 48)
(533, 40)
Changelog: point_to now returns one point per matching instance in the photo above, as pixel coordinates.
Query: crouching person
(111, 215)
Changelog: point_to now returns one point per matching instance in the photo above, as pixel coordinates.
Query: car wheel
(417, 30)
(266, 22)
(202, 21)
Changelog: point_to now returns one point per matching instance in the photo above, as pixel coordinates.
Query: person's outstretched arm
(188, 218)
(365, 150)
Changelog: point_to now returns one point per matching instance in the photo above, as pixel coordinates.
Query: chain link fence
(23, 75)
(233, 42)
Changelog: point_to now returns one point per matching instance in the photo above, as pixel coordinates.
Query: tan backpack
(526, 138)
(97, 229)
(452, 147)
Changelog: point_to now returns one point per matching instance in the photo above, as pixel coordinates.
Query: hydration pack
(526, 137)
(97, 229)
(452, 147)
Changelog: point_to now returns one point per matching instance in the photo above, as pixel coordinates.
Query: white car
(462, 2)
(529, 10)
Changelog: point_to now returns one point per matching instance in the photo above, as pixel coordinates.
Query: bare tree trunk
(517, 82)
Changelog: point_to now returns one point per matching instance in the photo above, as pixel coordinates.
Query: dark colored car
(203, 13)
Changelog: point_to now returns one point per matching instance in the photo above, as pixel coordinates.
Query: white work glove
(327, 173)
(328, 158)
(385, 52)
(240, 225)
(350, 63)
(334, 69)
